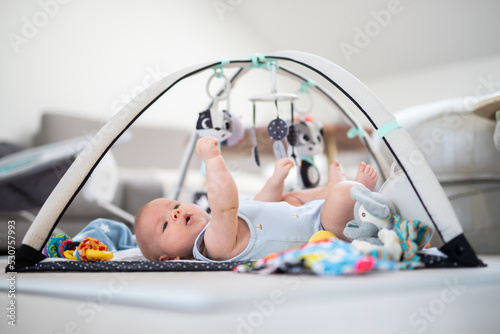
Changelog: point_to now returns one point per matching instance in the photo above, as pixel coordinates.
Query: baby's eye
(165, 226)
(176, 206)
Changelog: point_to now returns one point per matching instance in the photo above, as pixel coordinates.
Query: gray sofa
(137, 184)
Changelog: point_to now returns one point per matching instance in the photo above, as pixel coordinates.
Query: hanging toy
(214, 122)
(237, 131)
(306, 140)
(278, 128)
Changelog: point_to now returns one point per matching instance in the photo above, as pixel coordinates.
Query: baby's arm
(220, 236)
(273, 189)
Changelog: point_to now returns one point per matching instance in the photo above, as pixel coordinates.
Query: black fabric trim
(459, 250)
(128, 266)
(25, 256)
(434, 262)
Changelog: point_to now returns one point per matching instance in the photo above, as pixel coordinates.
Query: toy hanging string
(253, 137)
(292, 130)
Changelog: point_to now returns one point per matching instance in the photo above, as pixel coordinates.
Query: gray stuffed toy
(372, 212)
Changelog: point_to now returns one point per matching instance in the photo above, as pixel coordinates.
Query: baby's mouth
(188, 218)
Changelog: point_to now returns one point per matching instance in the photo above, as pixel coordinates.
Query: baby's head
(167, 230)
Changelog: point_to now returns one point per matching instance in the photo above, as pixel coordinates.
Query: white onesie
(274, 227)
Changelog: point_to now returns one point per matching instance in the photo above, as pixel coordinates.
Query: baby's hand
(282, 168)
(285, 163)
(207, 148)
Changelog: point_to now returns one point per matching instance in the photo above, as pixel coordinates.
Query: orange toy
(91, 249)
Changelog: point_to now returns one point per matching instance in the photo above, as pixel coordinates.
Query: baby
(250, 229)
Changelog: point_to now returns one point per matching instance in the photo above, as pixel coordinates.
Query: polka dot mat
(100, 266)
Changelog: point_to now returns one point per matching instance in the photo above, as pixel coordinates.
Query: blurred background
(90, 57)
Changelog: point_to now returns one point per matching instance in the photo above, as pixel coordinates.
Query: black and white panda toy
(305, 140)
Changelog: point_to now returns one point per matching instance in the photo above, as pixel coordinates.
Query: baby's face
(171, 227)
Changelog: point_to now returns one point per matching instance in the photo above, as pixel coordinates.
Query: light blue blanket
(115, 235)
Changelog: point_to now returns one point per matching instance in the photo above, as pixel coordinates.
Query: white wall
(91, 54)
(475, 77)
(89, 57)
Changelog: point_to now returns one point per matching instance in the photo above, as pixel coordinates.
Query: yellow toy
(91, 249)
(321, 236)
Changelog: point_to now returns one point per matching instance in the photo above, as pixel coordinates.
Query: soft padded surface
(430, 261)
(459, 300)
(128, 266)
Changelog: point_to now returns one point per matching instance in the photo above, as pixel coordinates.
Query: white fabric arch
(418, 172)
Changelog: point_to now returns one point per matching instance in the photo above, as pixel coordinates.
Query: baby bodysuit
(274, 227)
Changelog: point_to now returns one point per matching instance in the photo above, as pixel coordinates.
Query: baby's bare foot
(367, 175)
(335, 174)
(281, 169)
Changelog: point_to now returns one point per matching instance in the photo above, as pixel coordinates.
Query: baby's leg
(273, 189)
(339, 206)
(300, 197)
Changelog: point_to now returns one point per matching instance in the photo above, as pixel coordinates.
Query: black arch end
(25, 256)
(460, 251)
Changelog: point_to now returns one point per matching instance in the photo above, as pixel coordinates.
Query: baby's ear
(169, 258)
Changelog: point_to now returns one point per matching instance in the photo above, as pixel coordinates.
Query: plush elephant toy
(372, 213)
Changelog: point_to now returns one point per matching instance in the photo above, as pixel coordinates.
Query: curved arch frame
(423, 181)
(369, 143)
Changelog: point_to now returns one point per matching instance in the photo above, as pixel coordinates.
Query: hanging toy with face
(306, 140)
(215, 123)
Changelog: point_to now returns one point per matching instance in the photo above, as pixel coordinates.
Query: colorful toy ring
(53, 245)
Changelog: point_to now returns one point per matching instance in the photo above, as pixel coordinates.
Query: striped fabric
(414, 235)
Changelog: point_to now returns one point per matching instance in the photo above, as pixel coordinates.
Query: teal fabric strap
(304, 86)
(355, 132)
(272, 62)
(258, 60)
(385, 129)
(219, 71)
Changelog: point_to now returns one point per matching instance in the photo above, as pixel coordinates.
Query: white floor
(422, 301)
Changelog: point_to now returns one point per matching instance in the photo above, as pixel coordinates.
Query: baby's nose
(175, 214)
